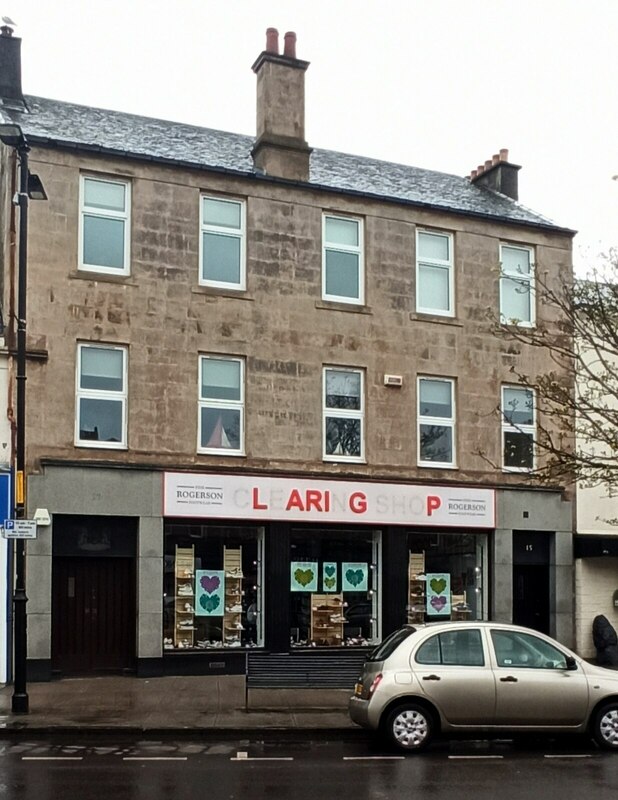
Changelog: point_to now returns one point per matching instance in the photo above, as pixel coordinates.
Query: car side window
(517, 649)
(462, 648)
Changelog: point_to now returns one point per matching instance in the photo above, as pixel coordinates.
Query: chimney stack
(11, 94)
(280, 148)
(498, 174)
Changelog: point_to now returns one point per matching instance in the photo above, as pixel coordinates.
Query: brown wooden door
(93, 614)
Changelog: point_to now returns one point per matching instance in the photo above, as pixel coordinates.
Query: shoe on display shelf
(235, 609)
(338, 618)
(189, 608)
(234, 573)
(185, 590)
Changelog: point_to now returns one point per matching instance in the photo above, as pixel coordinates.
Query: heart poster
(329, 576)
(354, 576)
(209, 593)
(438, 594)
(304, 576)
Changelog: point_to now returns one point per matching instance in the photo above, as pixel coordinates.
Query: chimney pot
(272, 41)
(504, 154)
(488, 164)
(495, 159)
(480, 169)
(289, 47)
(473, 174)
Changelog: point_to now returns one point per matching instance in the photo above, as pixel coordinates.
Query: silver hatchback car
(444, 677)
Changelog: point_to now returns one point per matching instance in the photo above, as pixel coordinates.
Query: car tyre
(605, 727)
(409, 727)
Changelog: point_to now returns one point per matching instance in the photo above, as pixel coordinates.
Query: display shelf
(416, 588)
(460, 610)
(327, 619)
(184, 597)
(232, 618)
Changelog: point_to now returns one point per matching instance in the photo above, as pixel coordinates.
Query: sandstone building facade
(263, 395)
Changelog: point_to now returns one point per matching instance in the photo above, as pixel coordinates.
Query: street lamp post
(29, 187)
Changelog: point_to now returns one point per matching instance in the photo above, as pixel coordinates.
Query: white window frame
(436, 262)
(355, 250)
(443, 422)
(344, 413)
(101, 394)
(222, 404)
(240, 233)
(529, 279)
(508, 427)
(106, 214)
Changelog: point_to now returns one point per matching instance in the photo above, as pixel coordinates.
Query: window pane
(343, 390)
(101, 369)
(436, 443)
(343, 437)
(220, 379)
(514, 260)
(518, 450)
(462, 648)
(221, 428)
(221, 258)
(100, 194)
(433, 287)
(223, 213)
(342, 231)
(433, 245)
(104, 241)
(517, 406)
(342, 274)
(100, 420)
(515, 299)
(429, 652)
(435, 399)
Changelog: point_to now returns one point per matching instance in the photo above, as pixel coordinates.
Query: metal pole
(20, 695)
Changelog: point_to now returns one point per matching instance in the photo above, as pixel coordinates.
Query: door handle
(431, 677)
(509, 679)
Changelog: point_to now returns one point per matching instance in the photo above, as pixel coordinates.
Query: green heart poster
(329, 576)
(304, 576)
(209, 593)
(354, 576)
(438, 589)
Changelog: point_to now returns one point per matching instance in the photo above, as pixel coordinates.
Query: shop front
(315, 570)
(274, 581)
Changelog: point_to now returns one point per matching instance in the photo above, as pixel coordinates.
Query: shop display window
(334, 588)
(446, 574)
(212, 595)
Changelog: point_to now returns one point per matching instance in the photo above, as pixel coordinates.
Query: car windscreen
(390, 644)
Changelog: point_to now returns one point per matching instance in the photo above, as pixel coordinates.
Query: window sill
(340, 460)
(438, 319)
(332, 305)
(518, 470)
(234, 294)
(434, 465)
(103, 277)
(100, 446)
(222, 453)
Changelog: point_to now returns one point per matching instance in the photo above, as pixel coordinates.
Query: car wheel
(409, 727)
(605, 727)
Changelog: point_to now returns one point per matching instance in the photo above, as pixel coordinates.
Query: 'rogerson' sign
(261, 498)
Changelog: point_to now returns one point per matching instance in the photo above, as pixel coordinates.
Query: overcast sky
(440, 84)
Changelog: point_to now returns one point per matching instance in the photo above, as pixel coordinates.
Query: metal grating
(335, 669)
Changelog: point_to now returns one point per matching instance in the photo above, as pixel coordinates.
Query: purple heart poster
(209, 593)
(438, 594)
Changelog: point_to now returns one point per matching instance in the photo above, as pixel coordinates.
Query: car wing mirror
(571, 663)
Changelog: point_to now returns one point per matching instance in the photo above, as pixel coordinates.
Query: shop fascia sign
(302, 500)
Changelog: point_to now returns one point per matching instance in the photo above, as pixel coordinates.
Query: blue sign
(6, 496)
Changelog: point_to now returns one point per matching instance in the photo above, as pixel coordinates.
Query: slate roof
(61, 124)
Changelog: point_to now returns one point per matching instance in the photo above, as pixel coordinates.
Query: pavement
(172, 705)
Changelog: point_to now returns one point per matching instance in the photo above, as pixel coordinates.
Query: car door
(453, 671)
(533, 684)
